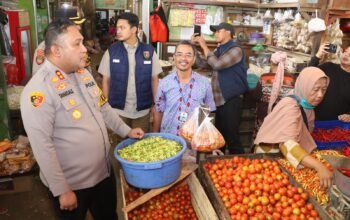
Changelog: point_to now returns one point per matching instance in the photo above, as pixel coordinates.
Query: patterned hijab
(279, 58)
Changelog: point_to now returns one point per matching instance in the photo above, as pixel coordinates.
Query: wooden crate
(200, 202)
(214, 196)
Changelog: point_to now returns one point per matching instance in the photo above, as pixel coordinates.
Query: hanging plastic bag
(190, 126)
(159, 30)
(207, 138)
(316, 24)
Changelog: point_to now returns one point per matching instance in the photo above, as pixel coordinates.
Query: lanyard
(182, 99)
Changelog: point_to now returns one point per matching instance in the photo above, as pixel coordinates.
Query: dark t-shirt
(337, 97)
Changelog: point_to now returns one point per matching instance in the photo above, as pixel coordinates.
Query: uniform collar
(54, 70)
(128, 46)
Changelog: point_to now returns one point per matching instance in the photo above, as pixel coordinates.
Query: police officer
(65, 116)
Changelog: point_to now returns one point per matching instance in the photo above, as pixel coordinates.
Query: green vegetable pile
(150, 149)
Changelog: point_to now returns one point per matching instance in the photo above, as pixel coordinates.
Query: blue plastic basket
(153, 174)
(331, 125)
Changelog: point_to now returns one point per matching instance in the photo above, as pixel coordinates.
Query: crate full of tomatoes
(184, 200)
(255, 187)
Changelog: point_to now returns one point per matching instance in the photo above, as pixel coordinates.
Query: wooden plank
(186, 170)
(280, 5)
(303, 56)
(200, 201)
(124, 189)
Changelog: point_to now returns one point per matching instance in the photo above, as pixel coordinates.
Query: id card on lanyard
(183, 114)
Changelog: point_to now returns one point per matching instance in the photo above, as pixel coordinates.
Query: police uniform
(65, 117)
(39, 57)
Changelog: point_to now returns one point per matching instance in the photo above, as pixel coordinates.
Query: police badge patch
(40, 57)
(39, 60)
(146, 55)
(36, 98)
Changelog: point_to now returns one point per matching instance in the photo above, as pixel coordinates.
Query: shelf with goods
(233, 3)
(236, 11)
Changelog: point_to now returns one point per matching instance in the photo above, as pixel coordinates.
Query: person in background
(271, 87)
(287, 129)
(39, 54)
(229, 82)
(180, 92)
(130, 71)
(65, 116)
(336, 103)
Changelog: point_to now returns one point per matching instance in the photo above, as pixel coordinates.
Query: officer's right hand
(68, 201)
(136, 133)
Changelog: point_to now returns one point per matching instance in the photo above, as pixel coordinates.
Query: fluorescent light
(66, 5)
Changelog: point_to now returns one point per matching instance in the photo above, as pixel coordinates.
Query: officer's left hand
(136, 133)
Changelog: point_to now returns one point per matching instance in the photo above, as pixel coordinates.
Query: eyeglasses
(187, 55)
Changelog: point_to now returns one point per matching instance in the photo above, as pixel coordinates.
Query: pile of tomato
(258, 189)
(175, 203)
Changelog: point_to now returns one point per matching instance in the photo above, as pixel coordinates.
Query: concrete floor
(35, 203)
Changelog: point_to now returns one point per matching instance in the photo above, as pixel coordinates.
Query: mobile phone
(332, 48)
(197, 30)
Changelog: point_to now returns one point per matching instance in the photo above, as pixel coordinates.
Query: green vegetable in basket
(150, 149)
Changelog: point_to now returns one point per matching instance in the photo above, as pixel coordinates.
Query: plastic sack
(207, 138)
(316, 24)
(190, 126)
(159, 30)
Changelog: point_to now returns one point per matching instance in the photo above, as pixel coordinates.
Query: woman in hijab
(287, 128)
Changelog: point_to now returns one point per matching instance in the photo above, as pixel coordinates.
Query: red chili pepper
(345, 171)
(346, 151)
(336, 134)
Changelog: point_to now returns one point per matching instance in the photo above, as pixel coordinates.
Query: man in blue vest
(229, 82)
(130, 71)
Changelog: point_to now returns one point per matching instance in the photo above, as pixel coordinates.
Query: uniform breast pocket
(96, 95)
(75, 109)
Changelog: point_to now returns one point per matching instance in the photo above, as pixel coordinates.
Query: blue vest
(119, 69)
(232, 80)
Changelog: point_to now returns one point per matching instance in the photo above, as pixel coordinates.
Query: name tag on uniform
(116, 61)
(147, 62)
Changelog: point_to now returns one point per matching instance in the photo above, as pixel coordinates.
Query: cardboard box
(9, 185)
